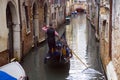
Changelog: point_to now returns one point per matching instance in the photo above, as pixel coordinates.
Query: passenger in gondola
(66, 51)
(62, 51)
(58, 53)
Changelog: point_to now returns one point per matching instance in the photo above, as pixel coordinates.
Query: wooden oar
(79, 59)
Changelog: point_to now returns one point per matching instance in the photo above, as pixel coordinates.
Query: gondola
(60, 56)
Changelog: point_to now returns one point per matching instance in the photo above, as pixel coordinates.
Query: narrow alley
(82, 41)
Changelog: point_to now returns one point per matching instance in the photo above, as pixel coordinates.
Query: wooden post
(110, 31)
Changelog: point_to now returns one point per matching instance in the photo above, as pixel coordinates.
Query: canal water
(85, 63)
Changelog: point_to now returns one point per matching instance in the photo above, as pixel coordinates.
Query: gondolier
(51, 33)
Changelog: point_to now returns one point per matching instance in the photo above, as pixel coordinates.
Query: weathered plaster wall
(116, 37)
(4, 30)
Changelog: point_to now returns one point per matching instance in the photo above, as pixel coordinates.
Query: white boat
(12, 71)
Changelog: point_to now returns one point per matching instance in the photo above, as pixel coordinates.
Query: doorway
(13, 25)
(10, 33)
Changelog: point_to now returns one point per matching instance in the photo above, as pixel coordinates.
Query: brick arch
(13, 9)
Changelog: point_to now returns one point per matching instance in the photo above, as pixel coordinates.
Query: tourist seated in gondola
(66, 52)
(58, 51)
(62, 52)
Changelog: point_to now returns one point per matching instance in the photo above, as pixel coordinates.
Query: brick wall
(41, 21)
(27, 36)
(3, 58)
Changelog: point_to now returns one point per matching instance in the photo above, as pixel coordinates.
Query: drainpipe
(110, 31)
(98, 17)
(22, 43)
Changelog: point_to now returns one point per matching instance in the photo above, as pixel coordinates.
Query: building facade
(21, 25)
(109, 38)
(57, 10)
(108, 30)
(93, 14)
(32, 17)
(69, 7)
(115, 37)
(10, 31)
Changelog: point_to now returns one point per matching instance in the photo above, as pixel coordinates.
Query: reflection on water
(76, 35)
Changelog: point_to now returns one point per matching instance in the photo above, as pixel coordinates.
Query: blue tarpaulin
(5, 76)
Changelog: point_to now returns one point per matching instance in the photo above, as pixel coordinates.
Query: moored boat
(12, 71)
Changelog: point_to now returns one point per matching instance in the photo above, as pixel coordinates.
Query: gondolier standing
(51, 33)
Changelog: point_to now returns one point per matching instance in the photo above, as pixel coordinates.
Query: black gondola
(61, 55)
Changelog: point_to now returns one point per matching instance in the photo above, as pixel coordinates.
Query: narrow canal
(81, 40)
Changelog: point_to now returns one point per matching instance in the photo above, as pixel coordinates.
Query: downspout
(22, 44)
(98, 18)
(110, 31)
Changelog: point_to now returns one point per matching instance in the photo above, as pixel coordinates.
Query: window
(27, 19)
(52, 16)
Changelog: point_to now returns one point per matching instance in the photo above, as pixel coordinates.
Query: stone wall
(111, 65)
(5, 31)
(116, 50)
(116, 36)
(104, 36)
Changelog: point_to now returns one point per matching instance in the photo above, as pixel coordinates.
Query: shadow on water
(57, 71)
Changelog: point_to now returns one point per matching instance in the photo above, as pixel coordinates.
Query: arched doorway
(10, 34)
(35, 24)
(12, 23)
(45, 13)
